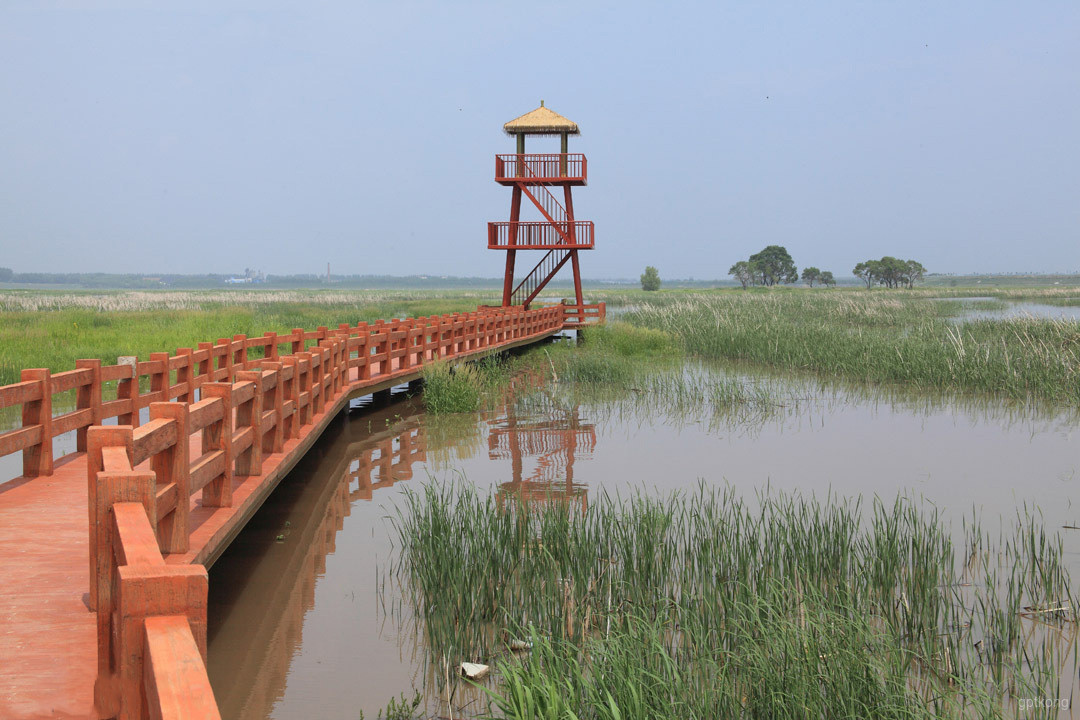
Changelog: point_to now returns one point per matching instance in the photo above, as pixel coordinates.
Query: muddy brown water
(302, 622)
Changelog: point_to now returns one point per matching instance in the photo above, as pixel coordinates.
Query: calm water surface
(1017, 309)
(301, 620)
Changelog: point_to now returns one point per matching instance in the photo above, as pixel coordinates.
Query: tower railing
(541, 235)
(550, 167)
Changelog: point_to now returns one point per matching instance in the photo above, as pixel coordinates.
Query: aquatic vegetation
(991, 304)
(451, 388)
(463, 387)
(877, 337)
(708, 605)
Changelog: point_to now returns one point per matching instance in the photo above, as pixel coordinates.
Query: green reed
(876, 337)
(709, 605)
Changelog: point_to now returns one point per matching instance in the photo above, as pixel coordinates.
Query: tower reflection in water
(256, 626)
(554, 436)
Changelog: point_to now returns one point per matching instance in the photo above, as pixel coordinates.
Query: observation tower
(558, 234)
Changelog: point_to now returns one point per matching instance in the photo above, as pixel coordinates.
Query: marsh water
(1010, 310)
(305, 623)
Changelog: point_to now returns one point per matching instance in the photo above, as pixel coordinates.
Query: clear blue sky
(254, 134)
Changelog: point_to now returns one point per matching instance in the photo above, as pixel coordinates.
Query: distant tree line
(774, 265)
(890, 272)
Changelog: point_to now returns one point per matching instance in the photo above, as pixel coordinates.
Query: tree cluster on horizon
(774, 265)
(890, 272)
(813, 275)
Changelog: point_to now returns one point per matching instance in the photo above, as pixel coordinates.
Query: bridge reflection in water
(268, 576)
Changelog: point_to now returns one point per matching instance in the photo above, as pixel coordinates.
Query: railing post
(218, 436)
(38, 459)
(419, 343)
(88, 397)
(298, 340)
(173, 465)
(303, 367)
(249, 414)
(241, 352)
(226, 359)
(330, 377)
(159, 379)
(273, 400)
(184, 375)
(318, 367)
(98, 438)
(112, 488)
(363, 352)
(328, 374)
(128, 389)
(292, 394)
(335, 353)
(152, 591)
(206, 367)
(271, 352)
(343, 361)
(346, 358)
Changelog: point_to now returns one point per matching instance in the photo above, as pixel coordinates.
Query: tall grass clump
(877, 337)
(463, 387)
(450, 388)
(705, 605)
(616, 355)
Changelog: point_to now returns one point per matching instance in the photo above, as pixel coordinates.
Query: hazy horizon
(209, 138)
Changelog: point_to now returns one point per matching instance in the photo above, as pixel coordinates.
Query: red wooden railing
(372, 348)
(541, 235)
(142, 478)
(583, 315)
(554, 167)
(151, 617)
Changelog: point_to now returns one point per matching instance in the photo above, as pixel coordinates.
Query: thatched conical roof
(541, 121)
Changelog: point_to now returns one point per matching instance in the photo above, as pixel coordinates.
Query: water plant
(876, 337)
(710, 605)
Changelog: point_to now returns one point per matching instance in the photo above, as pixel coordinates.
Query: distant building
(249, 276)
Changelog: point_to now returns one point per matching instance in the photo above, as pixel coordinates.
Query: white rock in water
(474, 671)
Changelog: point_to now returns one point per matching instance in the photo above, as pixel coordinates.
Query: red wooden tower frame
(558, 233)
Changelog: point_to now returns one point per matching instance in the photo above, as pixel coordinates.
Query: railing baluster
(173, 466)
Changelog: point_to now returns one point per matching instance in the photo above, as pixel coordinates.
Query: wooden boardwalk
(55, 647)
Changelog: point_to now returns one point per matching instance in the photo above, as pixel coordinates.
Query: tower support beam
(511, 255)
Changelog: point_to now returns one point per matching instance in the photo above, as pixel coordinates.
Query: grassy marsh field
(908, 337)
(54, 329)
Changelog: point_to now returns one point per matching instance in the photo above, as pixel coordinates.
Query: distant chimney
(328, 272)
